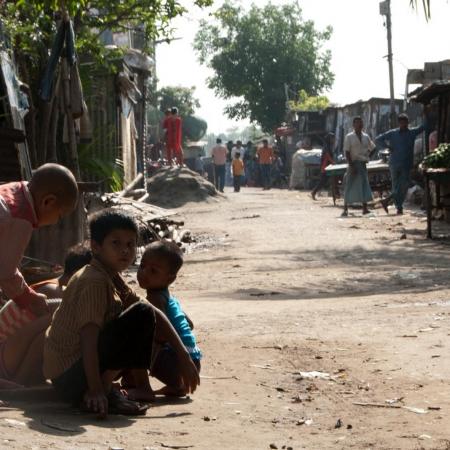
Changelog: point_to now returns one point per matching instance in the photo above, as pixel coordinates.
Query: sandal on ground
(119, 404)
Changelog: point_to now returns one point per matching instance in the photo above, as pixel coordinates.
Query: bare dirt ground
(289, 287)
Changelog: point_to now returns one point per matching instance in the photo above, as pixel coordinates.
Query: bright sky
(358, 46)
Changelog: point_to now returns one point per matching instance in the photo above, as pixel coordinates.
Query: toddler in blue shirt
(159, 267)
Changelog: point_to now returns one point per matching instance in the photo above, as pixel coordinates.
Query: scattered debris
(403, 236)
(306, 422)
(273, 446)
(204, 377)
(338, 424)
(254, 216)
(415, 410)
(259, 366)
(315, 375)
(394, 400)
(209, 419)
(434, 408)
(15, 423)
(176, 447)
(392, 406)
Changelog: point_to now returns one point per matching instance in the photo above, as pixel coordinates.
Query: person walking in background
(238, 148)
(230, 145)
(219, 156)
(174, 137)
(265, 157)
(237, 170)
(325, 160)
(357, 149)
(401, 143)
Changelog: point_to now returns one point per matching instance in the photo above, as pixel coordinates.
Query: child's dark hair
(76, 258)
(167, 251)
(104, 222)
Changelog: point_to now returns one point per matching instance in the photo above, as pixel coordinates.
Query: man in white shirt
(238, 149)
(357, 149)
(219, 156)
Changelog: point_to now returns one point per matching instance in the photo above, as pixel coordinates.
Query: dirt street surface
(285, 287)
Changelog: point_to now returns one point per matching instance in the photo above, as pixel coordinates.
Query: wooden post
(73, 152)
(429, 206)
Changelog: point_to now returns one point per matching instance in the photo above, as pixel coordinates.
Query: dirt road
(289, 287)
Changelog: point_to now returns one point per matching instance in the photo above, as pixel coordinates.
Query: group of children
(100, 343)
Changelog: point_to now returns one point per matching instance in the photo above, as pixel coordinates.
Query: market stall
(436, 165)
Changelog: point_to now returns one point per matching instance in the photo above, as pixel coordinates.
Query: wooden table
(378, 171)
(439, 176)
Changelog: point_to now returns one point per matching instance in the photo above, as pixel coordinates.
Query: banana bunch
(439, 159)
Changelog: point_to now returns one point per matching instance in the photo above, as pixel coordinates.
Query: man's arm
(15, 235)
(381, 139)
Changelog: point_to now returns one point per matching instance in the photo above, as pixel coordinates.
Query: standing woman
(325, 160)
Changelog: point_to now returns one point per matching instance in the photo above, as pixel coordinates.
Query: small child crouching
(102, 328)
(159, 267)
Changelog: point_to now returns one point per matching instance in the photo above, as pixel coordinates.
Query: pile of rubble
(155, 223)
(173, 187)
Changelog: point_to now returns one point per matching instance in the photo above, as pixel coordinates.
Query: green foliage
(439, 159)
(179, 96)
(254, 53)
(31, 25)
(309, 103)
(194, 128)
(101, 169)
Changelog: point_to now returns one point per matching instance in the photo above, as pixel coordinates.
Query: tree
(309, 103)
(179, 96)
(31, 26)
(254, 54)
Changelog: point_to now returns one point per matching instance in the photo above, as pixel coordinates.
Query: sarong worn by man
(357, 148)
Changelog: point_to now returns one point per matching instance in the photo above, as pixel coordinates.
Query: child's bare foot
(171, 392)
(140, 395)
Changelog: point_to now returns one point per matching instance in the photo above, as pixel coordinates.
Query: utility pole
(385, 10)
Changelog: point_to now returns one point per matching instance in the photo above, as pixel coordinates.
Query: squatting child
(159, 267)
(51, 194)
(102, 328)
(76, 258)
(22, 351)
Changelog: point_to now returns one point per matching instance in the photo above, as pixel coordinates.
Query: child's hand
(96, 402)
(189, 374)
(38, 306)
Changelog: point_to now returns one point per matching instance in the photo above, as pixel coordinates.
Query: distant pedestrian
(401, 143)
(174, 137)
(357, 148)
(230, 145)
(237, 169)
(265, 156)
(325, 160)
(219, 156)
(238, 148)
